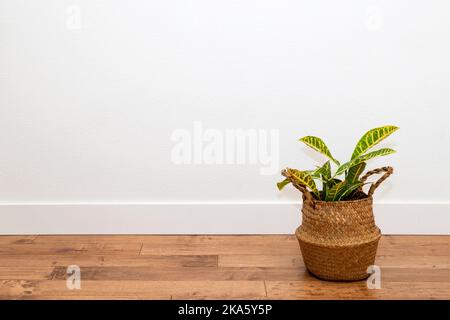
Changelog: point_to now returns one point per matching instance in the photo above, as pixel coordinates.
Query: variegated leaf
(363, 158)
(318, 145)
(324, 171)
(313, 173)
(354, 172)
(282, 184)
(333, 182)
(325, 174)
(349, 189)
(303, 178)
(334, 191)
(372, 138)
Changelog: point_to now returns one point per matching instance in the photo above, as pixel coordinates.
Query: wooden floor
(209, 267)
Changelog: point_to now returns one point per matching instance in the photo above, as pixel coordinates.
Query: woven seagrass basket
(339, 240)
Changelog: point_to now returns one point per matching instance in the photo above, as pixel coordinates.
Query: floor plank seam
(265, 288)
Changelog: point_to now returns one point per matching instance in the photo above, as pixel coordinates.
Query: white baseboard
(201, 218)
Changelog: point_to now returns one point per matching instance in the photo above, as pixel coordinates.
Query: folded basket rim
(333, 244)
(364, 197)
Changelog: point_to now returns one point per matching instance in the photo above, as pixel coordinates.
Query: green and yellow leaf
(318, 145)
(354, 172)
(313, 173)
(333, 182)
(303, 178)
(335, 191)
(324, 171)
(342, 190)
(349, 189)
(325, 175)
(282, 184)
(363, 158)
(372, 138)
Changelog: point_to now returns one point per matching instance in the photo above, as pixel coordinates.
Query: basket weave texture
(338, 240)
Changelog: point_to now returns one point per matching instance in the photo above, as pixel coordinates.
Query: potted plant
(338, 237)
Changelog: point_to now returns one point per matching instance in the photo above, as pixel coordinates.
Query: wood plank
(94, 239)
(25, 272)
(18, 239)
(34, 249)
(425, 249)
(230, 273)
(254, 244)
(185, 274)
(260, 260)
(390, 239)
(87, 260)
(414, 239)
(356, 290)
(389, 245)
(57, 289)
(414, 246)
(317, 289)
(164, 238)
(413, 275)
(279, 245)
(279, 261)
(69, 248)
(399, 261)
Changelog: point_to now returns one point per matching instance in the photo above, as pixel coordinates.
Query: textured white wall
(92, 91)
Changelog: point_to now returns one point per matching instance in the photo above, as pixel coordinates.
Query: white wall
(91, 93)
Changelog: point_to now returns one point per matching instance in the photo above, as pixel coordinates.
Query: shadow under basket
(338, 240)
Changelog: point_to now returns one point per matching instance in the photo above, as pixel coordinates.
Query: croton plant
(344, 182)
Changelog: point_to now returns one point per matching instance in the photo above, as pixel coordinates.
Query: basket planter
(338, 240)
